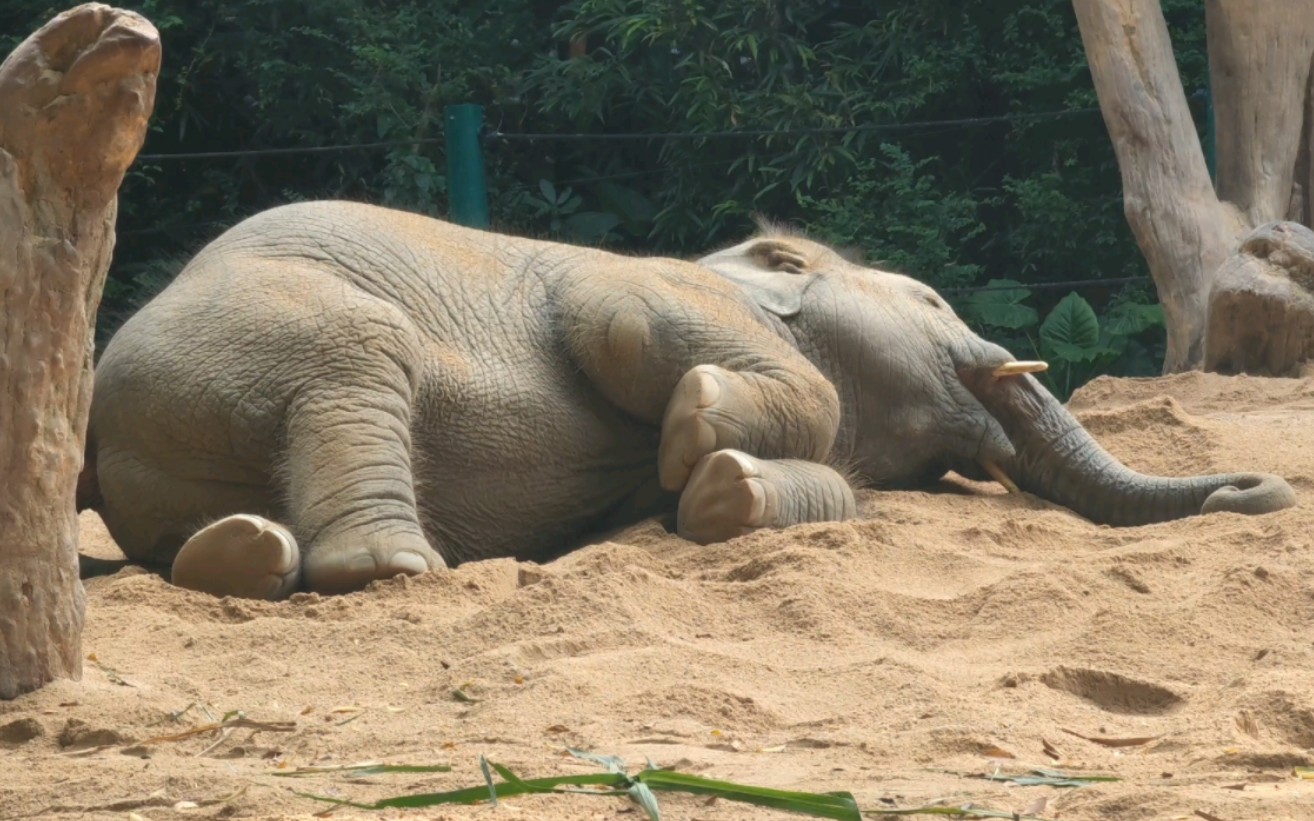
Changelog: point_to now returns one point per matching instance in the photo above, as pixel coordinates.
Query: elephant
(332, 393)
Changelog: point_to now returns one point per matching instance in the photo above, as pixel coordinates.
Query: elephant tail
(88, 495)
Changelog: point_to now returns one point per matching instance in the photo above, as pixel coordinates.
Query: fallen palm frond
(639, 787)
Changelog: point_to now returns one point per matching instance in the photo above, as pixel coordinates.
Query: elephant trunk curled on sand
(331, 393)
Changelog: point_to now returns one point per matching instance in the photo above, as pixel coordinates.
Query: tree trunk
(75, 98)
(1260, 55)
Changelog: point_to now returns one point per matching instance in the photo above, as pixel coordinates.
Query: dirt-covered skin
(332, 393)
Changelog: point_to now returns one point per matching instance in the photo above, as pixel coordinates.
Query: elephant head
(923, 394)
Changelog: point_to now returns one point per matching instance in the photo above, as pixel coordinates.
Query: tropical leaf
(1072, 330)
(1000, 305)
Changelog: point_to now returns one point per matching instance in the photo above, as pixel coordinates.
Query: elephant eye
(934, 301)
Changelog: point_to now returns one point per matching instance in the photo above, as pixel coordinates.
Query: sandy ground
(943, 636)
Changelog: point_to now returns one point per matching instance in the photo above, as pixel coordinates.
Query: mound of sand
(943, 636)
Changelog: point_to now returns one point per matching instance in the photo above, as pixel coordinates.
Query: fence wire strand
(496, 135)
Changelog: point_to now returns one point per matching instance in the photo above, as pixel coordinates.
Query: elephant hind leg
(242, 555)
(348, 503)
(350, 492)
(347, 468)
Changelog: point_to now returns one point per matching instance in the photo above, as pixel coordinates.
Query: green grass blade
(475, 795)
(362, 770)
(838, 805)
(516, 781)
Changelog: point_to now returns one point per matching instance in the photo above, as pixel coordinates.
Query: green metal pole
(467, 189)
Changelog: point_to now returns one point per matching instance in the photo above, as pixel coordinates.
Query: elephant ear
(772, 271)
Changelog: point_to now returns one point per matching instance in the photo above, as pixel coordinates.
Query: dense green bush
(934, 162)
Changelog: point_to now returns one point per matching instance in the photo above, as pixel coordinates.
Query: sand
(943, 636)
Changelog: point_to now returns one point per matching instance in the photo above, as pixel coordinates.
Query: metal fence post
(467, 187)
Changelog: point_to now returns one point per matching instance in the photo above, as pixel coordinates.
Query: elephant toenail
(408, 561)
(364, 562)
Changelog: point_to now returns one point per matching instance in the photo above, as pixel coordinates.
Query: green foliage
(896, 210)
(1000, 305)
(1071, 332)
(1076, 342)
(982, 190)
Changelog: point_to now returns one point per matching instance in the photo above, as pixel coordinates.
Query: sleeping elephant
(332, 393)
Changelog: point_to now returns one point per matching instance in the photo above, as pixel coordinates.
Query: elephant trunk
(1057, 459)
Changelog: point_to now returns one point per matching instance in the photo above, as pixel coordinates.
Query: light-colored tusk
(999, 476)
(1016, 368)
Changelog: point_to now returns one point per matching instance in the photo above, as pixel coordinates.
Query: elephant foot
(731, 493)
(688, 434)
(351, 561)
(244, 556)
(726, 497)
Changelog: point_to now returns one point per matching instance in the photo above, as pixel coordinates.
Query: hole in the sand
(1113, 692)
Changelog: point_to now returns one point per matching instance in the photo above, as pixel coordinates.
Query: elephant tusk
(1017, 368)
(999, 476)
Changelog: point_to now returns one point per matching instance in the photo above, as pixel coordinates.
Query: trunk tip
(1252, 494)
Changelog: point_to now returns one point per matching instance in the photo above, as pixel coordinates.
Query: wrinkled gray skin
(332, 393)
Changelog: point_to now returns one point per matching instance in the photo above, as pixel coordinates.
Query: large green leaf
(1072, 330)
(999, 305)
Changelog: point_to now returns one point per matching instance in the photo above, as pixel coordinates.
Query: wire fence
(497, 135)
(270, 152)
(1047, 286)
(792, 132)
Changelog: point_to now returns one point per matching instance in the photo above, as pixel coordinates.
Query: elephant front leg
(731, 493)
(713, 409)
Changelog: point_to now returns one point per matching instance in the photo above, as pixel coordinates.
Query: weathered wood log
(1260, 59)
(1261, 307)
(75, 98)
